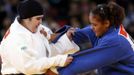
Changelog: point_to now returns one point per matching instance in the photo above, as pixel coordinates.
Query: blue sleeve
(60, 32)
(97, 57)
(84, 35)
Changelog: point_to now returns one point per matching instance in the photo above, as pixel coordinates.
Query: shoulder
(119, 40)
(16, 38)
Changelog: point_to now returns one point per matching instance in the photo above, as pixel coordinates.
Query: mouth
(94, 31)
(36, 27)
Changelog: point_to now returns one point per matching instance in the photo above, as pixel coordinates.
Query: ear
(107, 23)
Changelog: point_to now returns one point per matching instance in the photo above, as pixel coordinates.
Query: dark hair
(112, 12)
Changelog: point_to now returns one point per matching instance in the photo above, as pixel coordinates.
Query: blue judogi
(111, 54)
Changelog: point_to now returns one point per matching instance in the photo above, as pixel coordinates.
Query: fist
(49, 72)
(70, 33)
(68, 60)
(42, 31)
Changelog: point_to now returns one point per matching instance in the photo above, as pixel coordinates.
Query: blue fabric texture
(61, 31)
(111, 54)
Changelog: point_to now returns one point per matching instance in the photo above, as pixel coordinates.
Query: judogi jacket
(31, 53)
(111, 54)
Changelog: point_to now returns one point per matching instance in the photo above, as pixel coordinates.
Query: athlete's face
(98, 26)
(34, 22)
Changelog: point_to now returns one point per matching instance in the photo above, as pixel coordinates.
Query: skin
(32, 23)
(99, 27)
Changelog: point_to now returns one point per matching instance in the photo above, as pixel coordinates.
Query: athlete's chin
(35, 30)
(97, 35)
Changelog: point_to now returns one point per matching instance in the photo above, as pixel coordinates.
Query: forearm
(64, 45)
(94, 58)
(43, 64)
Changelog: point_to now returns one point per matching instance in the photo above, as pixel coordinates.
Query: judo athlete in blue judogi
(112, 51)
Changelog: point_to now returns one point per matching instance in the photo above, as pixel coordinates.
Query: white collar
(16, 26)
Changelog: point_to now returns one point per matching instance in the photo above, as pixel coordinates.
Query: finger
(69, 59)
(72, 30)
(42, 31)
(49, 72)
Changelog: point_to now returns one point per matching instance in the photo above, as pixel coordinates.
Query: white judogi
(31, 53)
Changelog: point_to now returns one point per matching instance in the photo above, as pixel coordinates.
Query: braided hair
(111, 11)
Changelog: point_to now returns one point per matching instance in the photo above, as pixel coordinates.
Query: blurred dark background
(65, 12)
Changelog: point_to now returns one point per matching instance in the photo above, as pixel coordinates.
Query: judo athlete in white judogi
(25, 50)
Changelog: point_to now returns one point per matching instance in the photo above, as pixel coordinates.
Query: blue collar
(110, 30)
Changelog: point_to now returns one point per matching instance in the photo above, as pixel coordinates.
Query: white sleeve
(64, 46)
(20, 55)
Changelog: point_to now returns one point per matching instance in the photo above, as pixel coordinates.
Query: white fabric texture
(26, 52)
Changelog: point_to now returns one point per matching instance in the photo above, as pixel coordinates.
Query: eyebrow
(39, 17)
